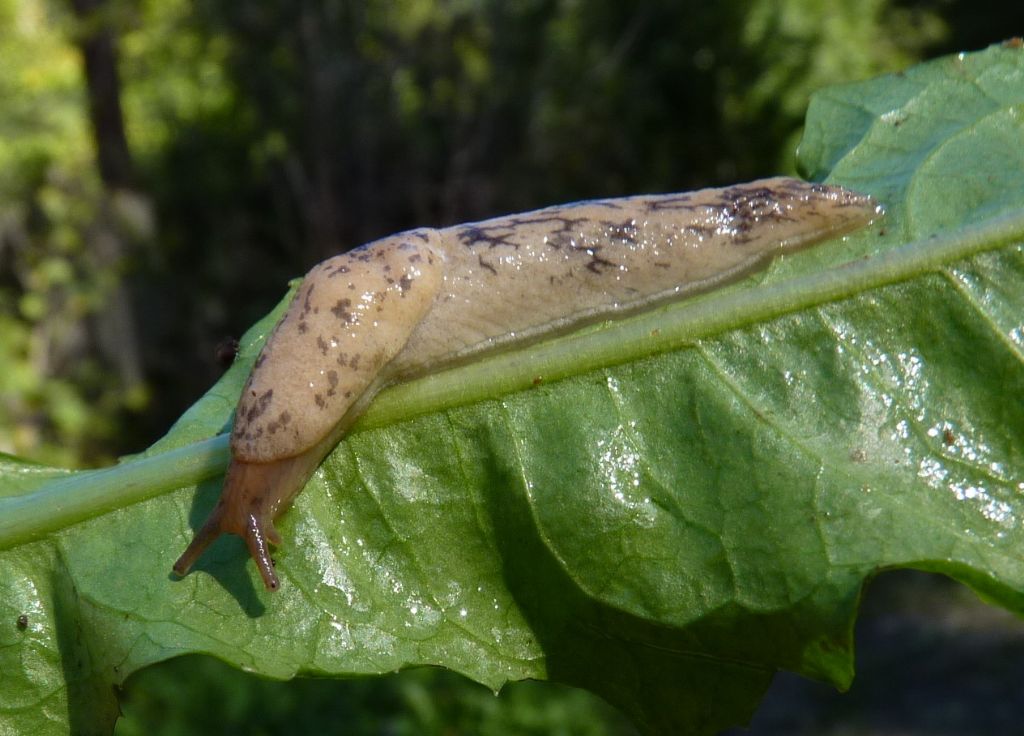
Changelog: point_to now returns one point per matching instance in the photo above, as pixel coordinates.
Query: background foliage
(265, 135)
(271, 134)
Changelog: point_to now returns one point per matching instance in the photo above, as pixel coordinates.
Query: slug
(426, 299)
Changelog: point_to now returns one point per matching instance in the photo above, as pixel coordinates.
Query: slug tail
(253, 495)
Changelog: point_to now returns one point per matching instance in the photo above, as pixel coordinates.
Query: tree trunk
(116, 333)
(99, 53)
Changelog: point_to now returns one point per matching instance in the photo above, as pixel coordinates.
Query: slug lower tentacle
(427, 299)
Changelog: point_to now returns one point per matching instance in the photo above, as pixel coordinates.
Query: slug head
(321, 366)
(253, 495)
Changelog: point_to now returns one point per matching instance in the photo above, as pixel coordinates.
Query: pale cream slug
(425, 299)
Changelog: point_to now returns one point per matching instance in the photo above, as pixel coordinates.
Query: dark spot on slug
(307, 304)
(746, 207)
(353, 362)
(280, 423)
(624, 231)
(485, 264)
(682, 201)
(332, 381)
(341, 311)
(415, 258)
(700, 231)
(405, 283)
(303, 327)
(597, 262)
(252, 436)
(319, 401)
(322, 344)
(260, 405)
(474, 234)
(260, 361)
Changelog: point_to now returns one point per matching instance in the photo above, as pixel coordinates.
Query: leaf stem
(67, 501)
(83, 495)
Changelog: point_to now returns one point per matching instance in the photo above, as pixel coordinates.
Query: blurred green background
(167, 165)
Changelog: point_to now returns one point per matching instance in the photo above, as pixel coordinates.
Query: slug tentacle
(423, 300)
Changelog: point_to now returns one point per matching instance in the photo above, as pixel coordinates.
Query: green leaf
(664, 510)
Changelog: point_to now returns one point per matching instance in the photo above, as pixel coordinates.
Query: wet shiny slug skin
(422, 300)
